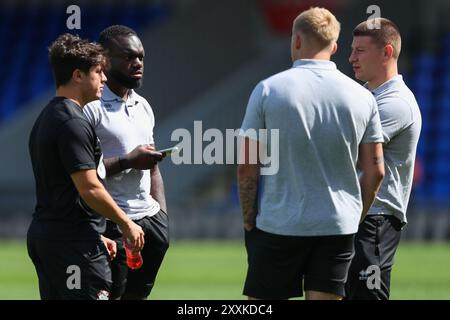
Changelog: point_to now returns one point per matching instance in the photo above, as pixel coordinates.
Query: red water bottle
(134, 260)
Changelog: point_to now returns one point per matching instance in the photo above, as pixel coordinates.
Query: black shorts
(71, 269)
(369, 276)
(139, 283)
(279, 265)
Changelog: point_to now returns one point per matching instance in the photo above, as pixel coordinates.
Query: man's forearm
(143, 157)
(157, 188)
(92, 191)
(371, 163)
(370, 185)
(248, 192)
(99, 200)
(114, 165)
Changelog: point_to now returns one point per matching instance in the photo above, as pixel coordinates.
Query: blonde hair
(319, 25)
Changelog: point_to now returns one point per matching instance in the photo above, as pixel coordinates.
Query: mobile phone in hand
(168, 151)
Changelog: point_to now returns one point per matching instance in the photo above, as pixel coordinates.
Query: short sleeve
(152, 122)
(373, 132)
(395, 116)
(76, 145)
(92, 112)
(254, 115)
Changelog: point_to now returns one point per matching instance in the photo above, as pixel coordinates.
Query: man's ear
(107, 65)
(388, 51)
(298, 41)
(77, 75)
(334, 48)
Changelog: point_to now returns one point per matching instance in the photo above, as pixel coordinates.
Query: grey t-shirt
(121, 126)
(322, 116)
(401, 124)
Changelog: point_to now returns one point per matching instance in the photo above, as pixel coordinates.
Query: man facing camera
(124, 122)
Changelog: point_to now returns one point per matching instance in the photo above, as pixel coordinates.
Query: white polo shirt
(322, 117)
(401, 123)
(121, 126)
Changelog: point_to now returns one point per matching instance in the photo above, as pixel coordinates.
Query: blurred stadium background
(203, 58)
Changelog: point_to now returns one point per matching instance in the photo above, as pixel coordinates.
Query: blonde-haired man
(318, 28)
(299, 231)
(374, 57)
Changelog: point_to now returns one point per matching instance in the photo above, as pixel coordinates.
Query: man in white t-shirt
(124, 122)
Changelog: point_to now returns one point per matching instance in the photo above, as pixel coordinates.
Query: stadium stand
(430, 81)
(203, 59)
(29, 30)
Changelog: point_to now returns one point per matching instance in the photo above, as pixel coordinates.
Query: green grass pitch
(216, 270)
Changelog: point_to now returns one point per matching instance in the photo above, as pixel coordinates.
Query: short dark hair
(113, 32)
(388, 33)
(70, 52)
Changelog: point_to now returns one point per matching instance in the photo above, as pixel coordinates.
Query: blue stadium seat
(443, 102)
(423, 81)
(442, 164)
(444, 64)
(444, 83)
(422, 147)
(425, 63)
(421, 192)
(441, 189)
(431, 86)
(423, 98)
(442, 145)
(28, 70)
(446, 43)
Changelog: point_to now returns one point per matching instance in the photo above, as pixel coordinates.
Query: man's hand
(249, 226)
(111, 246)
(133, 236)
(141, 158)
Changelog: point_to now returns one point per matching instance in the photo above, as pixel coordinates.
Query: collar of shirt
(386, 85)
(314, 64)
(109, 96)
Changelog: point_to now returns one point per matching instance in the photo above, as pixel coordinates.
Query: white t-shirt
(121, 126)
